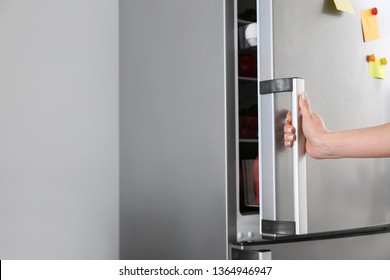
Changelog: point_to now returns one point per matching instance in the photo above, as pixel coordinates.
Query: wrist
(321, 147)
(328, 145)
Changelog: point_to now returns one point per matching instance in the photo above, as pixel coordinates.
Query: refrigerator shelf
(245, 140)
(250, 50)
(249, 79)
(242, 22)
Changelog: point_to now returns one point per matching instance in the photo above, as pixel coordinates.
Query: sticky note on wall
(344, 6)
(369, 25)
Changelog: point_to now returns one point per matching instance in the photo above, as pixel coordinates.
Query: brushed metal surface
(326, 48)
(177, 129)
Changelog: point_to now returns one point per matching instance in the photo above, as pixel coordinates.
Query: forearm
(370, 142)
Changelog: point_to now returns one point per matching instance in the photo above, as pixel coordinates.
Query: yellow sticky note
(344, 5)
(369, 25)
(377, 69)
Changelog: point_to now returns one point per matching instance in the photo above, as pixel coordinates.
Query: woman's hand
(367, 142)
(313, 128)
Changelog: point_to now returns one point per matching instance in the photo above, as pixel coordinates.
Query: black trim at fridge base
(385, 228)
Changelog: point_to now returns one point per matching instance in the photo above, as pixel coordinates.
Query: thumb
(304, 104)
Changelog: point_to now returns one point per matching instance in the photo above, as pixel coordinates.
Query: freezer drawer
(282, 170)
(262, 254)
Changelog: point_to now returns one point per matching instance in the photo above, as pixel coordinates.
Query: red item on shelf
(248, 127)
(247, 65)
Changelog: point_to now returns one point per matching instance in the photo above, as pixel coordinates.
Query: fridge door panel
(326, 47)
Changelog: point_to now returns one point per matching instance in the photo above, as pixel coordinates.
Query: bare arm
(369, 142)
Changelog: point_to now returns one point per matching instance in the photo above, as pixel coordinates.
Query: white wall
(59, 186)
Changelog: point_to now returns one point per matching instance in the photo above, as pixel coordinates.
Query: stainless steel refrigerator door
(177, 162)
(282, 170)
(326, 47)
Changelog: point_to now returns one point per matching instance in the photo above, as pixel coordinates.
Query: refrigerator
(190, 122)
(319, 209)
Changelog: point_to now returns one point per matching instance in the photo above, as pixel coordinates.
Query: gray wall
(326, 48)
(59, 161)
(173, 135)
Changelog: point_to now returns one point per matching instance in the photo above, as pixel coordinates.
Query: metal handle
(283, 208)
(299, 161)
